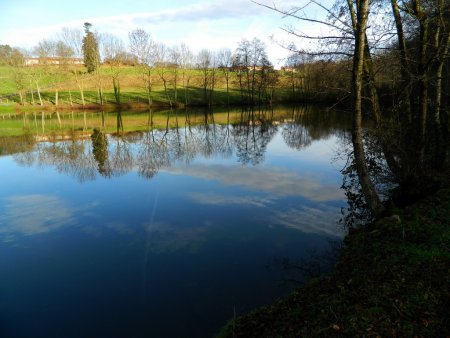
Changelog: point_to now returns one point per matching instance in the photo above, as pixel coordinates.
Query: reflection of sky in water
(273, 180)
(189, 243)
(33, 214)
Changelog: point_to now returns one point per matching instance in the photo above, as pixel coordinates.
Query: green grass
(6, 107)
(6, 83)
(132, 87)
(392, 280)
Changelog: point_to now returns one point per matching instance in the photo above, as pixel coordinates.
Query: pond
(160, 224)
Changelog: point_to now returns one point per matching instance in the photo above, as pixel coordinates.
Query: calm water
(161, 233)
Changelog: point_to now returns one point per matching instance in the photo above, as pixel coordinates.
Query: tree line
(392, 62)
(158, 64)
(246, 133)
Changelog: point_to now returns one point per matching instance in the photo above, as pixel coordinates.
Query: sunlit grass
(52, 78)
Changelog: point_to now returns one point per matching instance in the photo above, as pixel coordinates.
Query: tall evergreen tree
(90, 49)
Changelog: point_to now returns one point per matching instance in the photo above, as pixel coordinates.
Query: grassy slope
(392, 280)
(132, 87)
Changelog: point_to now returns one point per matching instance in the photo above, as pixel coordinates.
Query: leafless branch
(301, 35)
(292, 13)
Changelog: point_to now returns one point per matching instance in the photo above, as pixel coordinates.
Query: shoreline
(391, 280)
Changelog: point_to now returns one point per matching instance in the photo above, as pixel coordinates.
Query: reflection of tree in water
(224, 141)
(121, 158)
(15, 144)
(381, 175)
(252, 135)
(307, 124)
(357, 211)
(296, 136)
(153, 154)
(163, 148)
(70, 157)
(100, 151)
(150, 151)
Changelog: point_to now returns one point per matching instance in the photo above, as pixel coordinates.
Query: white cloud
(200, 24)
(211, 25)
(268, 180)
(318, 220)
(165, 238)
(33, 214)
(223, 200)
(121, 228)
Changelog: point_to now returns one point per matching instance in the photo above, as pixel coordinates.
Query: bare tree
(251, 59)
(71, 45)
(225, 62)
(19, 78)
(113, 53)
(36, 76)
(186, 61)
(73, 38)
(175, 60)
(63, 53)
(206, 64)
(44, 50)
(11, 56)
(162, 67)
(346, 25)
(370, 193)
(242, 64)
(143, 48)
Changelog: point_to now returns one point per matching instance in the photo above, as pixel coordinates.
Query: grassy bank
(392, 280)
(175, 86)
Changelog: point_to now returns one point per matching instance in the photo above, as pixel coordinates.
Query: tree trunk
(99, 87)
(32, 92)
(82, 96)
(70, 98)
(175, 80)
(228, 89)
(362, 169)
(423, 81)
(39, 94)
(80, 87)
(59, 119)
(116, 87)
(149, 87)
(369, 75)
(441, 141)
(186, 92)
(212, 85)
(404, 62)
(167, 92)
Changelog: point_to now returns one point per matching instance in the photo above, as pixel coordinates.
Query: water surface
(163, 232)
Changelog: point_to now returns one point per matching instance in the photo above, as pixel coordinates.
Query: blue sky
(198, 23)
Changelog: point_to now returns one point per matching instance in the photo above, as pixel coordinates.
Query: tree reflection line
(116, 154)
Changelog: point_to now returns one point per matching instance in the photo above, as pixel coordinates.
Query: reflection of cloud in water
(120, 228)
(270, 180)
(33, 214)
(319, 220)
(221, 200)
(166, 238)
(98, 228)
